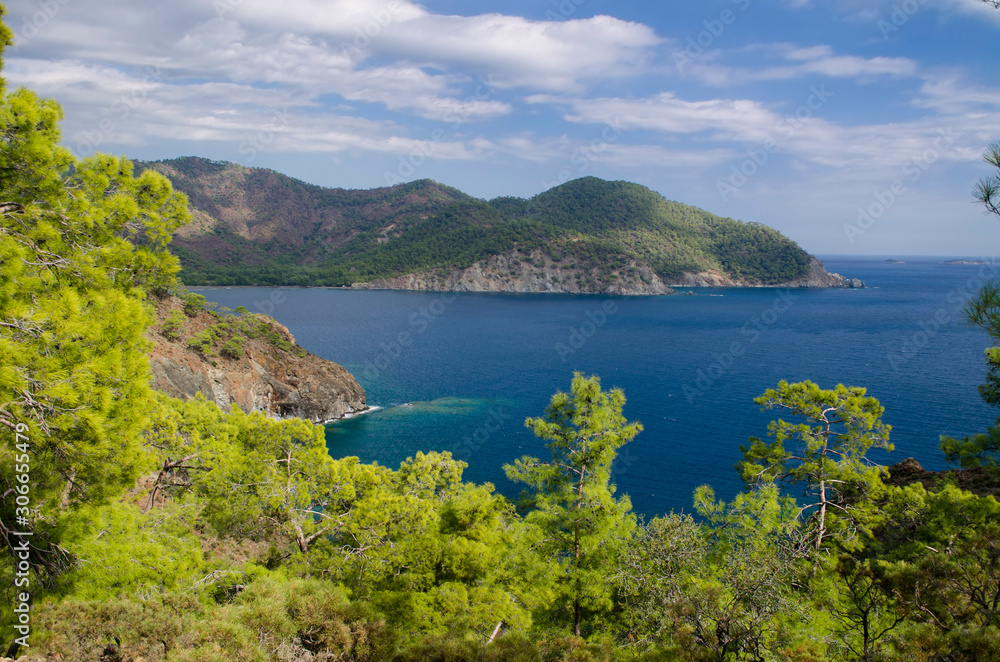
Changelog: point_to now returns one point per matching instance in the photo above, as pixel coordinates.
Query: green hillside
(258, 227)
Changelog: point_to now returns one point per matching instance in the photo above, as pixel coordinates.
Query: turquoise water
(461, 372)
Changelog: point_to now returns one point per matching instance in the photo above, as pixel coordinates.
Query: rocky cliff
(537, 272)
(250, 361)
(516, 271)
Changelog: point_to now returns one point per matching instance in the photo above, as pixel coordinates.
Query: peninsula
(258, 227)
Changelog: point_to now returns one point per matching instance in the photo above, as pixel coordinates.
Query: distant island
(890, 261)
(965, 262)
(254, 226)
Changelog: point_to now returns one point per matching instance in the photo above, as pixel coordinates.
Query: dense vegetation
(139, 527)
(255, 226)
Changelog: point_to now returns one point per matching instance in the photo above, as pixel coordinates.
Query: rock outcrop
(981, 481)
(516, 271)
(537, 272)
(271, 373)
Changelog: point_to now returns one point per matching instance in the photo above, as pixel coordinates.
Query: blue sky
(854, 127)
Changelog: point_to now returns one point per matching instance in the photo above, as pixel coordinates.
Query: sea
(461, 372)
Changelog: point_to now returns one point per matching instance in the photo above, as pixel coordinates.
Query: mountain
(255, 226)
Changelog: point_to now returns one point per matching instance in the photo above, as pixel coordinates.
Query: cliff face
(516, 271)
(268, 373)
(537, 272)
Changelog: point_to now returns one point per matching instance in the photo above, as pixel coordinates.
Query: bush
(233, 349)
(173, 326)
(193, 303)
(203, 342)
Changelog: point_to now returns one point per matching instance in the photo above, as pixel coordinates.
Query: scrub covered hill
(258, 227)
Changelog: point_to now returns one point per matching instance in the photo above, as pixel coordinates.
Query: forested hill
(257, 226)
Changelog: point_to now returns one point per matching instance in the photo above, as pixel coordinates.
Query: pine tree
(81, 244)
(572, 498)
(827, 454)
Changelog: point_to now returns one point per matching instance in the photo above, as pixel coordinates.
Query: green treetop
(826, 454)
(572, 498)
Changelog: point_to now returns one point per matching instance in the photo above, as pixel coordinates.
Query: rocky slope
(516, 271)
(537, 272)
(263, 369)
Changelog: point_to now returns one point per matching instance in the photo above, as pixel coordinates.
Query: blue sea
(461, 372)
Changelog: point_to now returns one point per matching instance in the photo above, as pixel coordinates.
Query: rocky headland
(251, 361)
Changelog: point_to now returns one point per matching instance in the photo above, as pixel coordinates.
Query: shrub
(233, 349)
(173, 326)
(203, 342)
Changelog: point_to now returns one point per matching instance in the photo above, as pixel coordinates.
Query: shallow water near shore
(461, 372)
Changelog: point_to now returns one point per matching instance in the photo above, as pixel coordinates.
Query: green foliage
(982, 449)
(194, 303)
(274, 618)
(233, 348)
(987, 191)
(828, 457)
(940, 552)
(230, 332)
(173, 326)
(81, 244)
(120, 550)
(572, 500)
(203, 341)
(978, 450)
(434, 553)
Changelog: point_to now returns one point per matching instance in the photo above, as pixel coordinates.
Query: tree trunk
(822, 514)
(578, 616)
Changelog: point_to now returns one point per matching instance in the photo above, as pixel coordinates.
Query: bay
(460, 372)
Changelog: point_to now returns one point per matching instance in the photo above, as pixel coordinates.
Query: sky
(855, 127)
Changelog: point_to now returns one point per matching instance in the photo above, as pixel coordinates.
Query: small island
(973, 262)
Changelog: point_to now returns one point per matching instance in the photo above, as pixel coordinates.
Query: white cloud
(721, 119)
(794, 62)
(114, 109)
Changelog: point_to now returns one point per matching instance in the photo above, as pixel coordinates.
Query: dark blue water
(461, 372)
